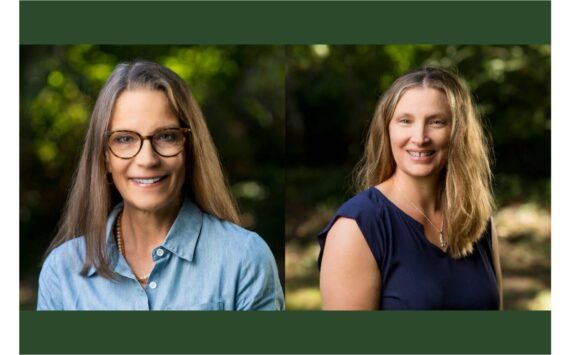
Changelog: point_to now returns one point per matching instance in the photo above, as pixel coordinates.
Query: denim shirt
(204, 263)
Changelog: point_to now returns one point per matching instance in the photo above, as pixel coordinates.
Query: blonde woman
(150, 223)
(419, 236)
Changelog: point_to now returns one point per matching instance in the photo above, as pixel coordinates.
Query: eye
(438, 122)
(404, 120)
(120, 138)
(167, 136)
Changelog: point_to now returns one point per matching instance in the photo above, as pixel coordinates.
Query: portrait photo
(418, 177)
(151, 177)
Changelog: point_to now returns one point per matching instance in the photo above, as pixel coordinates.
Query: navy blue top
(416, 274)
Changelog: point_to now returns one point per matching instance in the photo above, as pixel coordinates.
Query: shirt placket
(155, 281)
(139, 299)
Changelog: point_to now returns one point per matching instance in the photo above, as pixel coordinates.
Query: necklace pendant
(442, 242)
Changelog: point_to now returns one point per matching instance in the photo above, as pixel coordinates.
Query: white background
(9, 181)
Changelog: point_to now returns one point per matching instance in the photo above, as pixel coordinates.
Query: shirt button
(152, 285)
(159, 252)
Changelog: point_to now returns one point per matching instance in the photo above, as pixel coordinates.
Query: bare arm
(497, 263)
(350, 279)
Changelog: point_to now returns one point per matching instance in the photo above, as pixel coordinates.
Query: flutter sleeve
(369, 216)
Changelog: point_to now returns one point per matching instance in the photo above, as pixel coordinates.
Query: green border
(282, 22)
(285, 332)
(279, 22)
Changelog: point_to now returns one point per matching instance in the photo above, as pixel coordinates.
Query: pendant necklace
(442, 242)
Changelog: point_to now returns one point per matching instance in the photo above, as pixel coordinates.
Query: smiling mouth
(148, 181)
(417, 154)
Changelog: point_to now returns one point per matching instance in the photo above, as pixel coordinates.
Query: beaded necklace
(121, 247)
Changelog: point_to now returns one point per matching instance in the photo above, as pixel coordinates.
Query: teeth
(420, 154)
(147, 181)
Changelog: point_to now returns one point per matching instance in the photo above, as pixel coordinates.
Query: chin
(419, 172)
(151, 204)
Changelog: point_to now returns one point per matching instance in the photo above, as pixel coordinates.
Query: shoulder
(350, 277)
(364, 200)
(358, 224)
(68, 255)
(346, 237)
(250, 260)
(234, 239)
(365, 209)
(59, 267)
(352, 221)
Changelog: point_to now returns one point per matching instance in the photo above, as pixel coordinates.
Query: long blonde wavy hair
(465, 182)
(91, 198)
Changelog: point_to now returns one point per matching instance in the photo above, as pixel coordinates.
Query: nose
(419, 136)
(147, 157)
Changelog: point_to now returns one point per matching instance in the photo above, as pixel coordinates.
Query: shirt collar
(181, 239)
(185, 231)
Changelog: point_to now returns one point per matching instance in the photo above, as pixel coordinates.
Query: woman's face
(147, 181)
(420, 131)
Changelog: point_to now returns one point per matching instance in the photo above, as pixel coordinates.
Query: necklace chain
(442, 242)
(121, 246)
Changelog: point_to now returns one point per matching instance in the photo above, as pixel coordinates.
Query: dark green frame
(285, 22)
(281, 22)
(314, 332)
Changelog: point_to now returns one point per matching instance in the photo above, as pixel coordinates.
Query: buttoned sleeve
(259, 287)
(49, 292)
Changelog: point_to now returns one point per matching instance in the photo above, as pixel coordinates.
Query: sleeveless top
(417, 275)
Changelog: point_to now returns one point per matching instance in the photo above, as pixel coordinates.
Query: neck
(142, 230)
(424, 192)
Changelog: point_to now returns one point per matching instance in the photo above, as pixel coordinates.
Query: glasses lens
(124, 144)
(168, 142)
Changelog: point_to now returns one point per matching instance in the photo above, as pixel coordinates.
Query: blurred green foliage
(331, 95)
(332, 92)
(239, 88)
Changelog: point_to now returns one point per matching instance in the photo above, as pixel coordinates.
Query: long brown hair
(91, 197)
(465, 188)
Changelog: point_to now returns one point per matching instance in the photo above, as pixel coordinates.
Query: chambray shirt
(204, 263)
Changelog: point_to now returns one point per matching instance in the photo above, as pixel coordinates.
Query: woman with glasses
(150, 223)
(419, 235)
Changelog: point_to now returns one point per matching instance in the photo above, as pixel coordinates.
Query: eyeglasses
(166, 142)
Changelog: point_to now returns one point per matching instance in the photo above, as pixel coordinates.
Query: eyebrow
(151, 133)
(441, 114)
